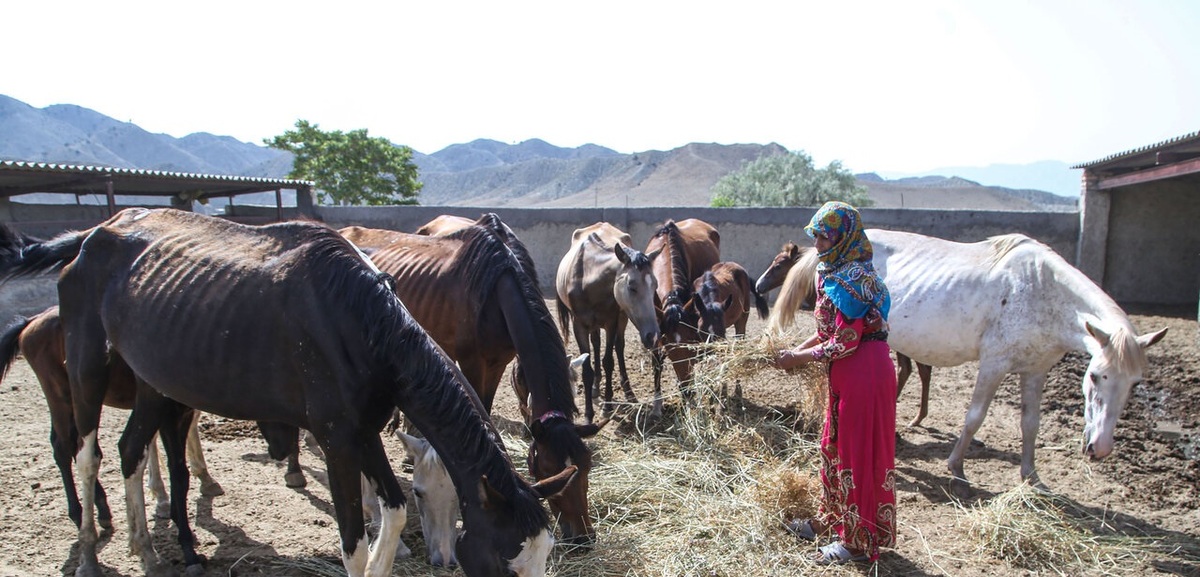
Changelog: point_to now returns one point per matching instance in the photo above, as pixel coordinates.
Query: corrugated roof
(1172, 143)
(12, 167)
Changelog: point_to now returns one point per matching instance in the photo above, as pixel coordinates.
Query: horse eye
(1095, 378)
(419, 494)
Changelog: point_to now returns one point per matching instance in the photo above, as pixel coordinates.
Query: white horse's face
(634, 290)
(1118, 364)
(436, 500)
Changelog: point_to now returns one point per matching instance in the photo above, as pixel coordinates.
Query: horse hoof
(105, 524)
(295, 480)
(196, 570)
(163, 510)
(211, 488)
(960, 488)
(402, 551)
(91, 569)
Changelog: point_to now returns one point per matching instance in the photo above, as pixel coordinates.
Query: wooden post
(278, 205)
(112, 200)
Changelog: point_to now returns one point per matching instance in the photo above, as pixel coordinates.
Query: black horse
(283, 323)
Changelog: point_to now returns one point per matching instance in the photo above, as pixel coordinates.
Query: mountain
(1048, 175)
(533, 173)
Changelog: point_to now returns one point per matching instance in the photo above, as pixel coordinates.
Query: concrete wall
(1153, 244)
(749, 236)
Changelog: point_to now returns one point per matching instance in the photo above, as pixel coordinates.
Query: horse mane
(798, 287)
(429, 385)
(681, 292)
(1128, 354)
(484, 259)
(1004, 244)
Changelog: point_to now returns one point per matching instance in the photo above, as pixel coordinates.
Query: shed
(182, 189)
(1139, 234)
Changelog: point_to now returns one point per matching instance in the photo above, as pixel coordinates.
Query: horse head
(486, 507)
(634, 290)
(1118, 363)
(436, 500)
(710, 313)
(773, 277)
(553, 448)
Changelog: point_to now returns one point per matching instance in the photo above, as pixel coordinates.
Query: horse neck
(540, 348)
(1075, 292)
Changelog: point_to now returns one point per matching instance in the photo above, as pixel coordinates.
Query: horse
(775, 276)
(601, 285)
(475, 292)
(722, 297)
(310, 334)
(1016, 306)
(443, 224)
(689, 248)
(40, 339)
(437, 503)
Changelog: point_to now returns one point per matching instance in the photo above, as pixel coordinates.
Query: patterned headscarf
(846, 272)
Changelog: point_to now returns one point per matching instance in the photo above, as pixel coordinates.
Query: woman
(858, 442)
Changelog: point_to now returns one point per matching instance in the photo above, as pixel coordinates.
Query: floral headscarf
(846, 272)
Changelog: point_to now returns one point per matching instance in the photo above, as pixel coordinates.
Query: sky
(877, 85)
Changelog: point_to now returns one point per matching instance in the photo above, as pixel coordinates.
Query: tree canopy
(788, 180)
(350, 167)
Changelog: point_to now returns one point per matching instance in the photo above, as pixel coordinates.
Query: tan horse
(602, 284)
(689, 247)
(475, 292)
(444, 224)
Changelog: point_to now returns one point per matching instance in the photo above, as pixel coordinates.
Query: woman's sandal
(802, 529)
(836, 553)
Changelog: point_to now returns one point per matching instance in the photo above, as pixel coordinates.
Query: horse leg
(87, 360)
(925, 372)
(176, 427)
(146, 418)
(378, 475)
(587, 376)
(624, 373)
(1032, 386)
(344, 466)
(209, 487)
(609, 346)
(154, 482)
(656, 361)
(986, 383)
(904, 364)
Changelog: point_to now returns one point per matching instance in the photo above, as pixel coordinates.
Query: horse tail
(798, 287)
(10, 343)
(21, 255)
(564, 319)
(760, 302)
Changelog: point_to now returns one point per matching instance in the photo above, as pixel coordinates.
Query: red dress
(858, 443)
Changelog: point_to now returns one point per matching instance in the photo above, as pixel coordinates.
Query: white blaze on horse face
(1105, 392)
(436, 500)
(531, 561)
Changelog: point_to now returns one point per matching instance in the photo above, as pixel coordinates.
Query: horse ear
(793, 250)
(653, 255)
(1098, 333)
(585, 431)
(552, 486)
(620, 250)
(413, 445)
(1146, 340)
(489, 498)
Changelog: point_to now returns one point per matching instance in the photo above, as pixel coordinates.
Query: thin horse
(722, 297)
(1016, 306)
(601, 285)
(475, 292)
(689, 247)
(309, 334)
(40, 339)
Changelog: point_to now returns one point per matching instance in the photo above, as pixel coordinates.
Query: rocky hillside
(533, 173)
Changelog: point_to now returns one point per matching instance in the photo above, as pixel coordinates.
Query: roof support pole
(278, 205)
(112, 199)
(304, 201)
(1093, 229)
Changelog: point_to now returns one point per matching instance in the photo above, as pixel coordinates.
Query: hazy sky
(879, 85)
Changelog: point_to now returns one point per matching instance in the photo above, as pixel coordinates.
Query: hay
(1030, 529)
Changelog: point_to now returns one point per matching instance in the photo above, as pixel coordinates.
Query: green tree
(350, 167)
(788, 180)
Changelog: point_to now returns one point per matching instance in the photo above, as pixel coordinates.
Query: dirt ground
(1149, 488)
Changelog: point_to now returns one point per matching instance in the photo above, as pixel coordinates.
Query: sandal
(802, 529)
(836, 553)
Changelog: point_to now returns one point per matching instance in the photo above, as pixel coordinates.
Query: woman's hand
(789, 359)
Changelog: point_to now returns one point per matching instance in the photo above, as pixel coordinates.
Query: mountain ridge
(483, 172)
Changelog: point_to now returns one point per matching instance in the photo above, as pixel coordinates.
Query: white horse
(1014, 305)
(436, 500)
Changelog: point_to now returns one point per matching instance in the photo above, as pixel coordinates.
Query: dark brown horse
(475, 291)
(722, 298)
(689, 247)
(307, 333)
(601, 285)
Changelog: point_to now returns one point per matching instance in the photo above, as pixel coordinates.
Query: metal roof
(1187, 145)
(21, 177)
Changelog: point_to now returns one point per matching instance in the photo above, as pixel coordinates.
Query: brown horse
(689, 247)
(308, 333)
(475, 291)
(602, 284)
(722, 297)
(779, 274)
(40, 340)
